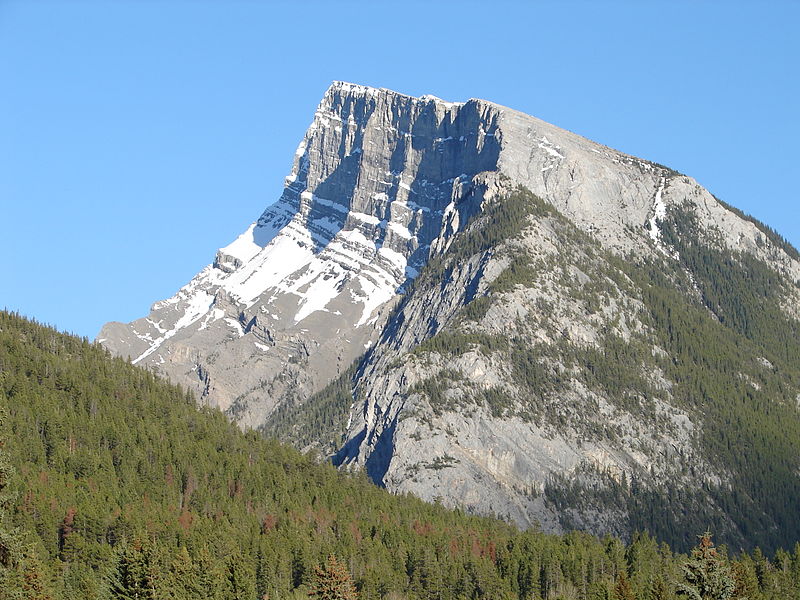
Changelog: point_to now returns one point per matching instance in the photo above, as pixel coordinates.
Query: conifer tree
(622, 588)
(6, 497)
(707, 575)
(34, 582)
(131, 578)
(101, 450)
(241, 578)
(659, 590)
(332, 582)
(182, 576)
(209, 580)
(744, 575)
(9, 539)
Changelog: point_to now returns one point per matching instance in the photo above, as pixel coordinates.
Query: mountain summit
(482, 308)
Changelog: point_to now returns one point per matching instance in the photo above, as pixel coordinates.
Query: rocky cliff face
(519, 302)
(379, 182)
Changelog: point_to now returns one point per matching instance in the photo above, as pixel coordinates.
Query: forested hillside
(114, 485)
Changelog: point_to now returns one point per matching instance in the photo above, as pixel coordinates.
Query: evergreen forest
(113, 484)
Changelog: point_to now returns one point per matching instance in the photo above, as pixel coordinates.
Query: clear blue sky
(137, 137)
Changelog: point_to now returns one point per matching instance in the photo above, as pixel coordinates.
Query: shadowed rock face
(380, 187)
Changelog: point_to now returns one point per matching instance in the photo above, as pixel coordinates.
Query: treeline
(114, 485)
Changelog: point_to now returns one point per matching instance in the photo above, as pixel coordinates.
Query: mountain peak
(462, 255)
(355, 89)
(379, 185)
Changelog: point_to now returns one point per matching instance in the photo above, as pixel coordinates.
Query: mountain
(484, 309)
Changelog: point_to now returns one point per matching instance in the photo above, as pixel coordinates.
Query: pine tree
(707, 575)
(332, 582)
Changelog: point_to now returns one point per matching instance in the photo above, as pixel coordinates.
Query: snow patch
(197, 305)
(659, 212)
(400, 230)
(243, 247)
(439, 101)
(157, 326)
(309, 197)
(236, 325)
(322, 282)
(365, 218)
(283, 255)
(374, 296)
(397, 259)
(214, 315)
(550, 148)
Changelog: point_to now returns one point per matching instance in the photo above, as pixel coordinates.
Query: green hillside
(114, 485)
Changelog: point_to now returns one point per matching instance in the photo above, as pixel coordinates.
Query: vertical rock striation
(379, 182)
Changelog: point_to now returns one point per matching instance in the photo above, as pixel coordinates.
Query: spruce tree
(659, 590)
(131, 578)
(241, 578)
(209, 579)
(182, 576)
(332, 582)
(744, 574)
(10, 543)
(707, 575)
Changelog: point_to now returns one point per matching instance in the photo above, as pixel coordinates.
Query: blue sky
(137, 137)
